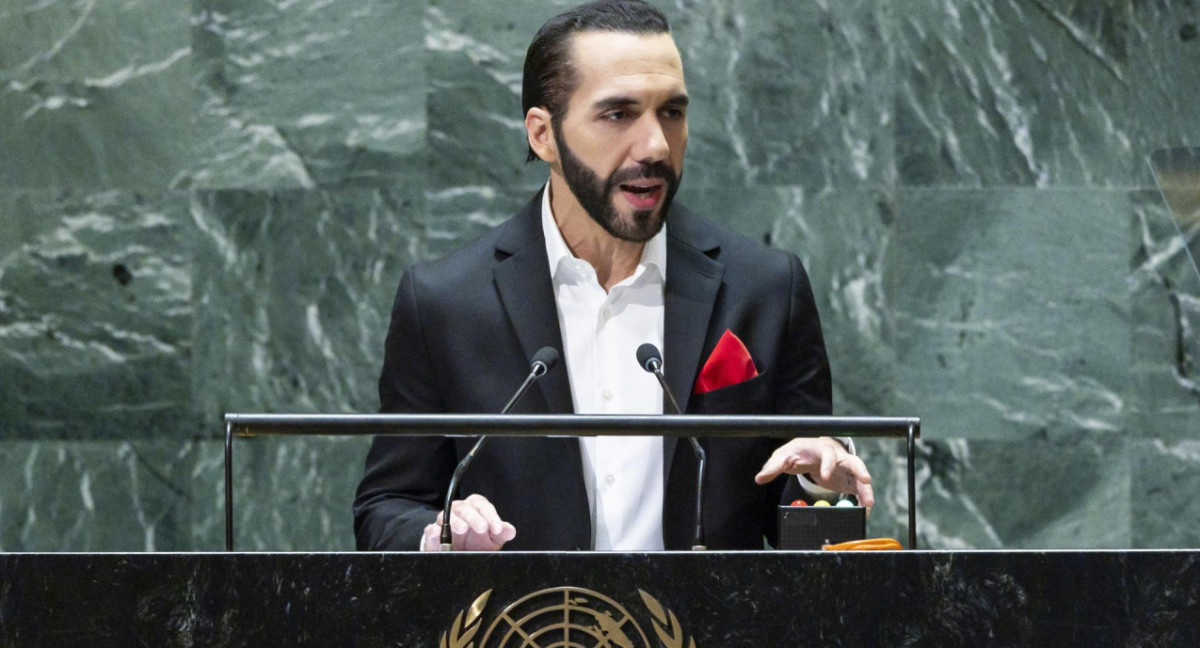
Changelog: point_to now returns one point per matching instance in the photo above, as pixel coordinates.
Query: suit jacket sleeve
(406, 477)
(806, 387)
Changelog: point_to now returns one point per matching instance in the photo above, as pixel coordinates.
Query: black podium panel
(1092, 599)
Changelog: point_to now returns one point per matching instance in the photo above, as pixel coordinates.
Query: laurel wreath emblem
(467, 623)
(666, 626)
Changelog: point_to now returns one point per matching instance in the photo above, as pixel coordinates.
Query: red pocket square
(729, 364)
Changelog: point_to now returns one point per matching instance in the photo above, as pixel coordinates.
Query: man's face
(622, 141)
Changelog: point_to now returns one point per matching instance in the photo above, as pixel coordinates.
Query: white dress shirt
(601, 333)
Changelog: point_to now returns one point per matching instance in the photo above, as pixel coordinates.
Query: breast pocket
(752, 396)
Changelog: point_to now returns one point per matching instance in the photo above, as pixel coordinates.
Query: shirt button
(607, 394)
(605, 313)
(610, 479)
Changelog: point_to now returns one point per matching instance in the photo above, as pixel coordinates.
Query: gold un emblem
(564, 617)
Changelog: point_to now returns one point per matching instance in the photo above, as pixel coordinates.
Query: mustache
(644, 171)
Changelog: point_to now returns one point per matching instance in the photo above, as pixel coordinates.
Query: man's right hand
(474, 524)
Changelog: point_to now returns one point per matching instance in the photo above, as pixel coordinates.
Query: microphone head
(647, 354)
(547, 356)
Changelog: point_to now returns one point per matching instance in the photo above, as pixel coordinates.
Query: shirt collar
(654, 252)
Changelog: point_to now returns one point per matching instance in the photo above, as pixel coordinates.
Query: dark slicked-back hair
(549, 78)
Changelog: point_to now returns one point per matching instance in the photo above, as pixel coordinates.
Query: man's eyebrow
(678, 101)
(608, 103)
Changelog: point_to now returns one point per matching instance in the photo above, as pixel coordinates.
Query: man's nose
(651, 145)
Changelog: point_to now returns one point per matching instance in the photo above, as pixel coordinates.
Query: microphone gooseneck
(650, 360)
(543, 361)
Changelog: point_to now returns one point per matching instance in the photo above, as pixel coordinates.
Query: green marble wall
(206, 206)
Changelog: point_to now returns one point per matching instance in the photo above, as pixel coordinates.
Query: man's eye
(616, 115)
(673, 113)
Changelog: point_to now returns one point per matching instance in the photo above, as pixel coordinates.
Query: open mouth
(642, 196)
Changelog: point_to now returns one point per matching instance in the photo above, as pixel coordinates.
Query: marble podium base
(1094, 599)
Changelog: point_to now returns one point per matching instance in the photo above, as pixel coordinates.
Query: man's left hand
(826, 462)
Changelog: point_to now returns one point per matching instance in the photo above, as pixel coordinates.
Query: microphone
(650, 359)
(543, 361)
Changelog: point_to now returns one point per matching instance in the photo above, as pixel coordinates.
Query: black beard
(596, 195)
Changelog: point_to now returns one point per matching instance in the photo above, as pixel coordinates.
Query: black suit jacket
(464, 327)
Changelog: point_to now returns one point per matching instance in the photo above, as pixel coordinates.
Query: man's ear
(541, 134)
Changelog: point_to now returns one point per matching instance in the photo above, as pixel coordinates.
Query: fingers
(826, 461)
(773, 468)
(855, 479)
(474, 526)
(860, 481)
(866, 495)
(476, 513)
(829, 460)
(795, 457)
(507, 532)
(487, 513)
(431, 541)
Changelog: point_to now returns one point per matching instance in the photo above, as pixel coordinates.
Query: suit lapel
(527, 295)
(693, 282)
(522, 278)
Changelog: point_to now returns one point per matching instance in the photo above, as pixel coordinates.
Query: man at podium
(600, 262)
